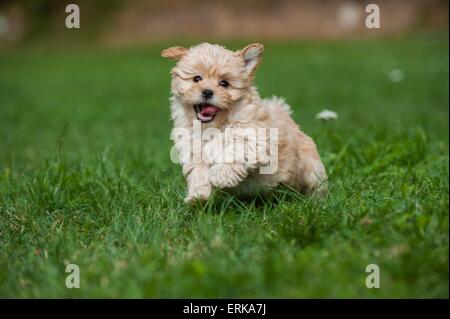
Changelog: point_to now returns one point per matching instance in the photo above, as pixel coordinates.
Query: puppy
(212, 89)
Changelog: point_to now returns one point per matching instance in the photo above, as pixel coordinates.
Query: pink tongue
(209, 110)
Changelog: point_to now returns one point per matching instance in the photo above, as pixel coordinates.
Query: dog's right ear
(174, 53)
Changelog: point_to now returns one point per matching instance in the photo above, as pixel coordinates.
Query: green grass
(102, 192)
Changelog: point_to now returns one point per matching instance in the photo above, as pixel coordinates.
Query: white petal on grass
(326, 115)
(396, 75)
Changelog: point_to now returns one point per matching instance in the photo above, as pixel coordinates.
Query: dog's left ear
(174, 53)
(252, 56)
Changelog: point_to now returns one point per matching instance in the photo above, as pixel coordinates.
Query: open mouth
(205, 112)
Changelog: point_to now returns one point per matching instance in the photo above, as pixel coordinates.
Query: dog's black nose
(207, 93)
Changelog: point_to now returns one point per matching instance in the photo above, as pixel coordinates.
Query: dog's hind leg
(310, 177)
(313, 176)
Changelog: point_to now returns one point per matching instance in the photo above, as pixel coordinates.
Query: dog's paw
(226, 175)
(199, 196)
(195, 199)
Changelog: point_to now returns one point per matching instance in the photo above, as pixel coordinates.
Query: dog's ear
(252, 56)
(174, 53)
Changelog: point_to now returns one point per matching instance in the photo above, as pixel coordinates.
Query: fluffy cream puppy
(212, 88)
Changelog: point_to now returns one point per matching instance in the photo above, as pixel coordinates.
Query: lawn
(86, 178)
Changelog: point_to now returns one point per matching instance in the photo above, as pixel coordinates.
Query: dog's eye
(224, 83)
(197, 78)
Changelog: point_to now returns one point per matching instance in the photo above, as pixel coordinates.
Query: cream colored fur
(299, 164)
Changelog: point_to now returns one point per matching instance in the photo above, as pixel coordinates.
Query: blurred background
(86, 176)
(119, 22)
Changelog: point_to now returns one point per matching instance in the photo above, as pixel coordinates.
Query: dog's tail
(276, 102)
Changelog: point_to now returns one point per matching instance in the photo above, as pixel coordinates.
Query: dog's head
(209, 79)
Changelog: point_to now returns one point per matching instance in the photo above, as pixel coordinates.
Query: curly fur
(298, 161)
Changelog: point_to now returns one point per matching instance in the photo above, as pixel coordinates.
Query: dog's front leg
(198, 184)
(227, 175)
(233, 165)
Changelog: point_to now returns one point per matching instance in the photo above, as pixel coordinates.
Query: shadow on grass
(222, 201)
